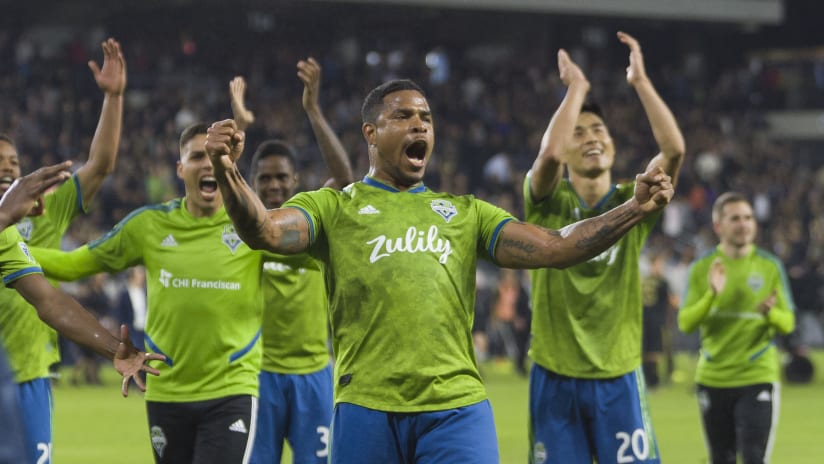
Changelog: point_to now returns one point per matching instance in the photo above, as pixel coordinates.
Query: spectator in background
(739, 297)
(659, 303)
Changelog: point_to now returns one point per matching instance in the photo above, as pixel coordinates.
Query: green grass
(96, 425)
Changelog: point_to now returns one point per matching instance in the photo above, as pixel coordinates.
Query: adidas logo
(368, 209)
(169, 241)
(238, 426)
(764, 396)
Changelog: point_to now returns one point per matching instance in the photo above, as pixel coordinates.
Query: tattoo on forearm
(519, 247)
(601, 229)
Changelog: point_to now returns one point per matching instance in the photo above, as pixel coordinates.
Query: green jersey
(204, 303)
(401, 282)
(586, 319)
(294, 314)
(737, 345)
(15, 259)
(31, 344)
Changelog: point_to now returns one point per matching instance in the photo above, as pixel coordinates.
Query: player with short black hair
(587, 398)
(399, 264)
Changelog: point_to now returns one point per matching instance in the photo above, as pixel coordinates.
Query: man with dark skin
(400, 263)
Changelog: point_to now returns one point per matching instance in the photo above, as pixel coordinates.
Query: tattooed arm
(283, 230)
(524, 245)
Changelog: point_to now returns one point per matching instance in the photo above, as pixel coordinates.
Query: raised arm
(664, 127)
(549, 165)
(334, 155)
(283, 230)
(26, 191)
(111, 79)
(65, 315)
(523, 245)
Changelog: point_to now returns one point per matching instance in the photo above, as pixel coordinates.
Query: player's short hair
(594, 108)
(7, 139)
(273, 147)
(374, 101)
(724, 200)
(191, 131)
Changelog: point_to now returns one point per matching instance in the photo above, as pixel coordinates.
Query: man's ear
(179, 170)
(368, 130)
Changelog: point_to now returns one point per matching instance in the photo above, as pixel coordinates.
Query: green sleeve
(67, 266)
(697, 301)
(782, 316)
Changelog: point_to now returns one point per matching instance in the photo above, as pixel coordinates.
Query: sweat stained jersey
(28, 341)
(204, 302)
(586, 319)
(401, 282)
(294, 314)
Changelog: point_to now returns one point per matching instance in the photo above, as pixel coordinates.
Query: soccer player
(296, 374)
(587, 399)
(204, 313)
(21, 273)
(30, 344)
(739, 297)
(400, 267)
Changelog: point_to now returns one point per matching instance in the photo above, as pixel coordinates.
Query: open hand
(309, 73)
(636, 72)
(568, 70)
(237, 91)
(25, 194)
(129, 362)
(112, 77)
(718, 276)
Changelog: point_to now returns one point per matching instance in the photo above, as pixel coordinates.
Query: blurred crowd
(492, 94)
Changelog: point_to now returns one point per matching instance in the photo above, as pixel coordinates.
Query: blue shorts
(297, 408)
(578, 420)
(366, 436)
(36, 403)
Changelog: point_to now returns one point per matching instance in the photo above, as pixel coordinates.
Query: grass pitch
(96, 425)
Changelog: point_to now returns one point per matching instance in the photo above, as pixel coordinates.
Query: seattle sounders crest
(230, 238)
(445, 209)
(25, 227)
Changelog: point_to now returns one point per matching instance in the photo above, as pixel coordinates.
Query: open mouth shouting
(208, 186)
(416, 152)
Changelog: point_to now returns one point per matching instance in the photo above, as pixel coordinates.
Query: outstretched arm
(523, 245)
(21, 197)
(111, 79)
(66, 315)
(67, 266)
(549, 165)
(283, 230)
(330, 146)
(664, 127)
